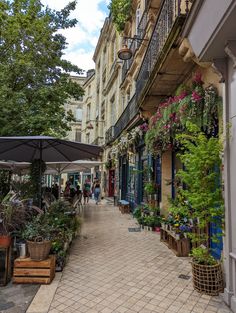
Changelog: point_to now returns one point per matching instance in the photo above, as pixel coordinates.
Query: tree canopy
(35, 80)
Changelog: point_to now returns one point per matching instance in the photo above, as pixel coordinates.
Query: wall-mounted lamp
(126, 53)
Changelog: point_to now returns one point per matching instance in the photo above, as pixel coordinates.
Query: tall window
(79, 114)
(138, 13)
(87, 138)
(113, 111)
(78, 135)
(88, 112)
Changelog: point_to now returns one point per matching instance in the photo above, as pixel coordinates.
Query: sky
(83, 38)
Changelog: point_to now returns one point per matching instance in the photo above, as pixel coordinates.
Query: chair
(77, 203)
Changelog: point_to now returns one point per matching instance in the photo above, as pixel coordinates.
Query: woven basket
(39, 249)
(208, 279)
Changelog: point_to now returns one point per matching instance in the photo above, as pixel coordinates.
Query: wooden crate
(27, 271)
(180, 247)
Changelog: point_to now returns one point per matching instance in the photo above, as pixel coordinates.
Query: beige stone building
(76, 107)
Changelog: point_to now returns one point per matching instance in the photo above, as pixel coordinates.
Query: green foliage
(37, 227)
(5, 180)
(201, 175)
(36, 176)
(201, 256)
(198, 105)
(150, 188)
(35, 81)
(121, 12)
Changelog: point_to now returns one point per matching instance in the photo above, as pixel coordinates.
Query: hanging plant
(198, 105)
(35, 177)
(120, 12)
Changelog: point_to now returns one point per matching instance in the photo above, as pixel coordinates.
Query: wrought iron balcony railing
(129, 113)
(109, 135)
(170, 11)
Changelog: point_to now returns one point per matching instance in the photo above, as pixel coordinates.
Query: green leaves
(121, 12)
(201, 175)
(35, 81)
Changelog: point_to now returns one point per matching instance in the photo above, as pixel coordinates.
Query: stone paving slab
(113, 270)
(16, 298)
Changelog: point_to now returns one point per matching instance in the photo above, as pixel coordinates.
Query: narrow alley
(114, 269)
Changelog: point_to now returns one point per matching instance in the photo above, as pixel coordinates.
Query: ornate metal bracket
(221, 67)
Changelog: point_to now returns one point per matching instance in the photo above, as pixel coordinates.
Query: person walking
(97, 191)
(86, 191)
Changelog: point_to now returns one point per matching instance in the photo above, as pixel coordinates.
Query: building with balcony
(211, 39)
(107, 97)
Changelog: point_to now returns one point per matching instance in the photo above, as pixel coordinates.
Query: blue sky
(83, 38)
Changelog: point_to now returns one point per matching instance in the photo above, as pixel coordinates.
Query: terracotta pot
(5, 241)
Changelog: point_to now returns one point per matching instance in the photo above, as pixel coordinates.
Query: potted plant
(207, 272)
(37, 234)
(201, 175)
(150, 189)
(12, 219)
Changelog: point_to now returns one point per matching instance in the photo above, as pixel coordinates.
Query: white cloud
(81, 58)
(90, 20)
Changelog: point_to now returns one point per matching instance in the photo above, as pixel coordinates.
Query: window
(87, 138)
(113, 111)
(79, 114)
(78, 135)
(88, 113)
(137, 20)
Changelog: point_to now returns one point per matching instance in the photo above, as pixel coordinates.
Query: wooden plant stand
(27, 271)
(124, 206)
(7, 265)
(180, 247)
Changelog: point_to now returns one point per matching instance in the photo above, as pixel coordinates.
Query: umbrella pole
(59, 187)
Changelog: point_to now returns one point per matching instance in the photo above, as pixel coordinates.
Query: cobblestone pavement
(113, 270)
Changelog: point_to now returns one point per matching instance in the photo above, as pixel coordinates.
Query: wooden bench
(124, 206)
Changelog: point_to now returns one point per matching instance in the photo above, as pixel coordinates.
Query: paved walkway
(113, 270)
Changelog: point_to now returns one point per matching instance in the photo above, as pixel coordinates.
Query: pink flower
(182, 95)
(144, 127)
(197, 79)
(167, 126)
(196, 97)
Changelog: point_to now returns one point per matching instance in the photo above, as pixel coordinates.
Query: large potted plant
(203, 194)
(37, 234)
(12, 219)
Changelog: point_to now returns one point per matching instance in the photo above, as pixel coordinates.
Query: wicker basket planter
(39, 249)
(208, 279)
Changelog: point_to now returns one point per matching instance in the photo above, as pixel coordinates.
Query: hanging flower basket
(208, 279)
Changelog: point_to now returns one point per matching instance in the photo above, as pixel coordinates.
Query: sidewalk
(113, 270)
